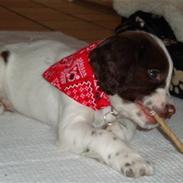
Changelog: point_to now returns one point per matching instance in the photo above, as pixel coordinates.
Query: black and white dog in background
(133, 69)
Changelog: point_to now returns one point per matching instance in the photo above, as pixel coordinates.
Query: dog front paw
(131, 165)
(137, 168)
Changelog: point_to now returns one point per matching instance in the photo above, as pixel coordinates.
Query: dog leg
(79, 136)
(123, 129)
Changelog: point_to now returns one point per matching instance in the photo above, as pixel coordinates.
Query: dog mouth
(166, 113)
(147, 112)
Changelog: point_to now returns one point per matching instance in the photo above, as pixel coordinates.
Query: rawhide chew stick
(166, 129)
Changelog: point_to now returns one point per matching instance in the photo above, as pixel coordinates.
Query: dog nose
(169, 110)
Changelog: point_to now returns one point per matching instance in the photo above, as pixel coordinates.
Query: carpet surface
(28, 153)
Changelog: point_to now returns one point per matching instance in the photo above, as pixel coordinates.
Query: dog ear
(104, 65)
(115, 60)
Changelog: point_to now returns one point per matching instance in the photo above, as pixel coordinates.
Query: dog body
(80, 128)
(31, 70)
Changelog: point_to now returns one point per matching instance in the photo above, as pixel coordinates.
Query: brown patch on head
(5, 55)
(126, 65)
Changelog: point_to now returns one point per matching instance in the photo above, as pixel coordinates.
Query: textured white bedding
(28, 151)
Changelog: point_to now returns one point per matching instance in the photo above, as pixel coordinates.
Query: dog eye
(154, 74)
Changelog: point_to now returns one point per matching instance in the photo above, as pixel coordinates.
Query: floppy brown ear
(104, 62)
(105, 73)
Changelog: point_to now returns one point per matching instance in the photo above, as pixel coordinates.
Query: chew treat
(168, 131)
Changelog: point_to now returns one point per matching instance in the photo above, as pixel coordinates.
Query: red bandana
(74, 76)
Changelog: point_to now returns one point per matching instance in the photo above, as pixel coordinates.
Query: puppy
(130, 73)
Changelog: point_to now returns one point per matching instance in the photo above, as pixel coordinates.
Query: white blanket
(28, 151)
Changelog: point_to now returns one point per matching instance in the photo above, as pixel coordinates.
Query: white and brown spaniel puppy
(130, 73)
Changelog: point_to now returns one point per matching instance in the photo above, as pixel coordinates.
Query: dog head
(135, 70)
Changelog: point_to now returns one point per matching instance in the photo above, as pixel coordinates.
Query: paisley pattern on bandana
(73, 75)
